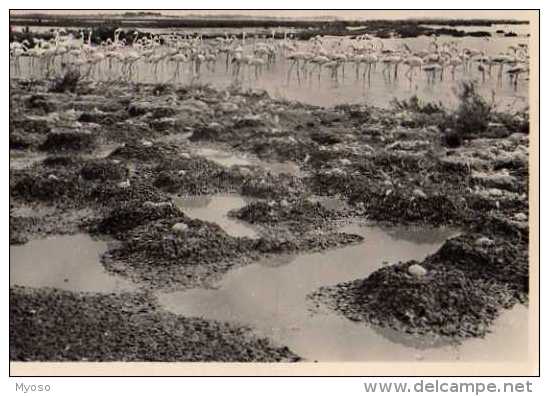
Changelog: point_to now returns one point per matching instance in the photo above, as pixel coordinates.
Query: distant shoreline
(305, 28)
(149, 19)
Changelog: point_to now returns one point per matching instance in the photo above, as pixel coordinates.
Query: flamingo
(294, 58)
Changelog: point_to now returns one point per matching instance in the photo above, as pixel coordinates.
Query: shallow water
(222, 157)
(325, 92)
(271, 297)
(214, 209)
(69, 262)
(228, 158)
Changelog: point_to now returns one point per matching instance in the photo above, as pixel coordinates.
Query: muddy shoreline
(108, 159)
(126, 327)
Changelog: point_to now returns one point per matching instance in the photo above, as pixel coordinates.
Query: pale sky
(381, 14)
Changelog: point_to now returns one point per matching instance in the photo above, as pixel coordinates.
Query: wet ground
(347, 233)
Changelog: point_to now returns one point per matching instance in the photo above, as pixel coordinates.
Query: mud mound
(105, 118)
(209, 133)
(103, 170)
(326, 138)
(112, 194)
(42, 103)
(457, 292)
(20, 228)
(340, 183)
(192, 183)
(55, 325)
(281, 149)
(145, 151)
(178, 251)
(503, 227)
(69, 140)
(134, 214)
(44, 188)
(444, 302)
(159, 244)
(195, 176)
(305, 243)
(273, 187)
(298, 213)
(20, 141)
(408, 205)
(156, 109)
(61, 161)
(31, 125)
(487, 258)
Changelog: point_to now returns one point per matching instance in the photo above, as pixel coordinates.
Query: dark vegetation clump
(452, 139)
(416, 105)
(473, 113)
(474, 117)
(66, 83)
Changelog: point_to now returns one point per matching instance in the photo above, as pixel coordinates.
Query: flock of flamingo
(173, 58)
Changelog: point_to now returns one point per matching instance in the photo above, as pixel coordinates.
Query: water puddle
(25, 159)
(69, 262)
(224, 158)
(227, 158)
(271, 297)
(214, 209)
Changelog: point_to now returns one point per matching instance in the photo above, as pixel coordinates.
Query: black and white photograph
(294, 187)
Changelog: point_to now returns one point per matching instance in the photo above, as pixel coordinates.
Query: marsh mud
(144, 166)
(123, 327)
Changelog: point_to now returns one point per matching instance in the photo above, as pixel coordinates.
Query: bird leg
(290, 72)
